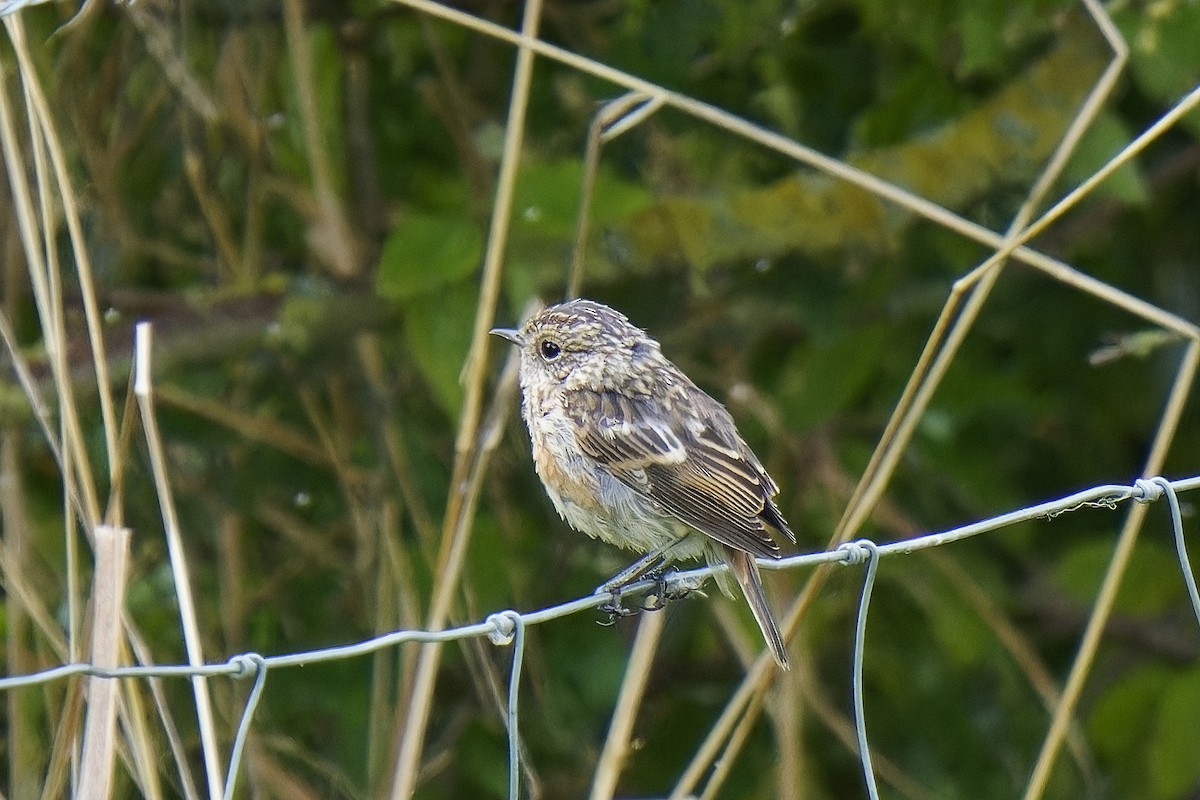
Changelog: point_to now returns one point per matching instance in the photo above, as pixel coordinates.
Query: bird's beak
(511, 334)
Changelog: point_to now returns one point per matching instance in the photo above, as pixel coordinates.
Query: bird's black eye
(550, 350)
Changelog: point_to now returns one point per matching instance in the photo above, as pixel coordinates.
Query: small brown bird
(635, 454)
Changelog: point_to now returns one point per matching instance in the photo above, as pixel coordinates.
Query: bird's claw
(615, 610)
(665, 591)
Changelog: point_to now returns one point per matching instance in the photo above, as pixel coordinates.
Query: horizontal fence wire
(508, 626)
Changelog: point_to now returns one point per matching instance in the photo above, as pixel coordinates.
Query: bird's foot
(666, 590)
(664, 593)
(615, 610)
(669, 590)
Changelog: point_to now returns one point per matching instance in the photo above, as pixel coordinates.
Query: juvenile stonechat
(635, 454)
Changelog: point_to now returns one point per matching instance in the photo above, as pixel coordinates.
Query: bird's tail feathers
(745, 571)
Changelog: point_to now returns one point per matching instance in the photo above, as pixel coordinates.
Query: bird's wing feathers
(683, 460)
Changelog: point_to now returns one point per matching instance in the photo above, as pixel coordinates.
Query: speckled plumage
(635, 454)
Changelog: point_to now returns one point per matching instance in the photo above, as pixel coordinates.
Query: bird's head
(581, 344)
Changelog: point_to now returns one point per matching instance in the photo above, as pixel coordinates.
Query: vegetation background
(299, 197)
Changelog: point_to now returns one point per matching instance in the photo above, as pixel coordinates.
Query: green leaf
(819, 382)
(1122, 718)
(962, 635)
(483, 761)
(1174, 766)
(427, 252)
(1106, 136)
(1145, 590)
(914, 100)
(438, 329)
(983, 49)
(546, 201)
(1164, 58)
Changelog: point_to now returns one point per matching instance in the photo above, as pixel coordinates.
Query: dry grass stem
(1093, 104)
(330, 234)
(737, 740)
(108, 593)
(36, 101)
(212, 208)
(629, 699)
(1022, 652)
(740, 127)
(252, 428)
(137, 745)
(614, 118)
(425, 674)
(143, 384)
(23, 708)
(467, 470)
(373, 363)
(28, 225)
(180, 760)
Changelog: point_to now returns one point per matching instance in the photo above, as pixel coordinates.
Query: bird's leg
(644, 566)
(660, 593)
(653, 564)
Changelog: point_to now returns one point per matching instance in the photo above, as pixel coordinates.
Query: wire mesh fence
(505, 628)
(486, 405)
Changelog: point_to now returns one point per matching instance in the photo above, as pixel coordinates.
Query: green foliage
(818, 381)
(312, 414)
(438, 330)
(1145, 723)
(1150, 590)
(1173, 769)
(547, 198)
(1107, 135)
(427, 253)
(1162, 42)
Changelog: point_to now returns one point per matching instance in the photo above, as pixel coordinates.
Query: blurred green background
(314, 289)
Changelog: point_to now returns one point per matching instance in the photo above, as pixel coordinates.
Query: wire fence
(508, 627)
(481, 426)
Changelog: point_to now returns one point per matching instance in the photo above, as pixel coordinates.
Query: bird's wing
(688, 460)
